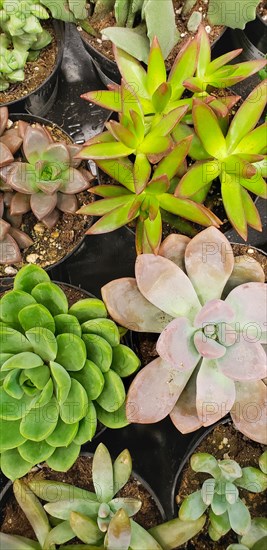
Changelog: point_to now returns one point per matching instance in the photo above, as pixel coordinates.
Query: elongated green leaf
(113, 393)
(161, 97)
(155, 145)
(13, 465)
(59, 535)
(153, 229)
(122, 134)
(108, 99)
(142, 171)
(58, 491)
(33, 510)
(106, 328)
(120, 170)
(62, 381)
(141, 539)
(103, 474)
(233, 204)
(91, 378)
(111, 150)
(256, 185)
(169, 121)
(40, 422)
(183, 67)
(36, 315)
(12, 542)
(176, 532)
(11, 304)
(99, 351)
(43, 342)
(167, 34)
(197, 177)
(170, 164)
(204, 52)
(63, 458)
(109, 191)
(221, 61)
(122, 469)
(187, 209)
(71, 352)
(156, 71)
(131, 71)
(118, 217)
(63, 508)
(208, 130)
(219, 525)
(52, 297)
(250, 210)
(253, 142)
(74, 407)
(253, 480)
(105, 206)
(247, 116)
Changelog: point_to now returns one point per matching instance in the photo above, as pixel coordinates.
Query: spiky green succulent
(219, 494)
(61, 370)
(96, 518)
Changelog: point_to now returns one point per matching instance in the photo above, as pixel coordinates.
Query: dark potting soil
(36, 72)
(145, 342)
(51, 245)
(15, 522)
(105, 46)
(223, 442)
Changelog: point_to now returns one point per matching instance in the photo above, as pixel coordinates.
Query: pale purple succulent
(211, 358)
(48, 182)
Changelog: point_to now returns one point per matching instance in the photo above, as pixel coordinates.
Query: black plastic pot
(41, 100)
(107, 69)
(6, 281)
(253, 39)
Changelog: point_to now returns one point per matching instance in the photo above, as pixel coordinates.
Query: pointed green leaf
(71, 352)
(52, 297)
(11, 304)
(34, 452)
(122, 134)
(154, 145)
(183, 67)
(58, 491)
(141, 538)
(122, 469)
(43, 343)
(170, 164)
(99, 351)
(10, 436)
(208, 130)
(106, 206)
(109, 191)
(156, 71)
(12, 542)
(36, 315)
(124, 361)
(187, 209)
(85, 528)
(63, 458)
(197, 177)
(25, 360)
(40, 422)
(161, 97)
(250, 210)
(63, 508)
(204, 53)
(233, 204)
(29, 276)
(131, 71)
(91, 378)
(108, 99)
(88, 308)
(33, 510)
(118, 217)
(120, 170)
(87, 426)
(253, 141)
(142, 171)
(13, 466)
(66, 323)
(106, 328)
(103, 474)
(113, 394)
(74, 407)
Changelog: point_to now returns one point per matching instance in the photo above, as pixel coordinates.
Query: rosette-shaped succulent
(12, 63)
(19, 20)
(61, 369)
(211, 359)
(48, 182)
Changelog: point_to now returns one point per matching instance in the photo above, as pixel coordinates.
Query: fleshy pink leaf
(209, 262)
(73, 150)
(184, 413)
(176, 345)
(22, 239)
(128, 307)
(207, 347)
(9, 251)
(35, 143)
(246, 270)
(173, 248)
(249, 302)
(11, 140)
(75, 182)
(6, 156)
(67, 203)
(166, 286)
(3, 119)
(42, 205)
(244, 360)
(215, 393)
(22, 178)
(20, 204)
(214, 311)
(154, 392)
(249, 411)
(4, 229)
(51, 219)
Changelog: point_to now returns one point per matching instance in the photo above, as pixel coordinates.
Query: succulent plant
(19, 20)
(145, 197)
(236, 16)
(231, 158)
(192, 70)
(61, 370)
(48, 182)
(67, 10)
(11, 241)
(211, 360)
(97, 518)
(12, 63)
(220, 496)
(255, 539)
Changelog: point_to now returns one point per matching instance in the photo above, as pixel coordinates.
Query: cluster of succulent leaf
(22, 35)
(210, 310)
(219, 495)
(37, 174)
(139, 21)
(61, 370)
(159, 131)
(96, 518)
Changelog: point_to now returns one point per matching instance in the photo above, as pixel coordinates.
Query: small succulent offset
(12, 63)
(211, 312)
(220, 496)
(101, 518)
(233, 158)
(61, 370)
(255, 539)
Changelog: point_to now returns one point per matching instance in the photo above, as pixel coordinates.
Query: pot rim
(59, 28)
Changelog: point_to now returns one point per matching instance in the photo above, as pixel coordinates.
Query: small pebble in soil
(250, 251)
(32, 258)
(39, 228)
(194, 21)
(208, 29)
(9, 270)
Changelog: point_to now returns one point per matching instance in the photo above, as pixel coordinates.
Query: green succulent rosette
(61, 371)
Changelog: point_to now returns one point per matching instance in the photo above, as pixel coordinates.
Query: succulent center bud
(211, 331)
(104, 517)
